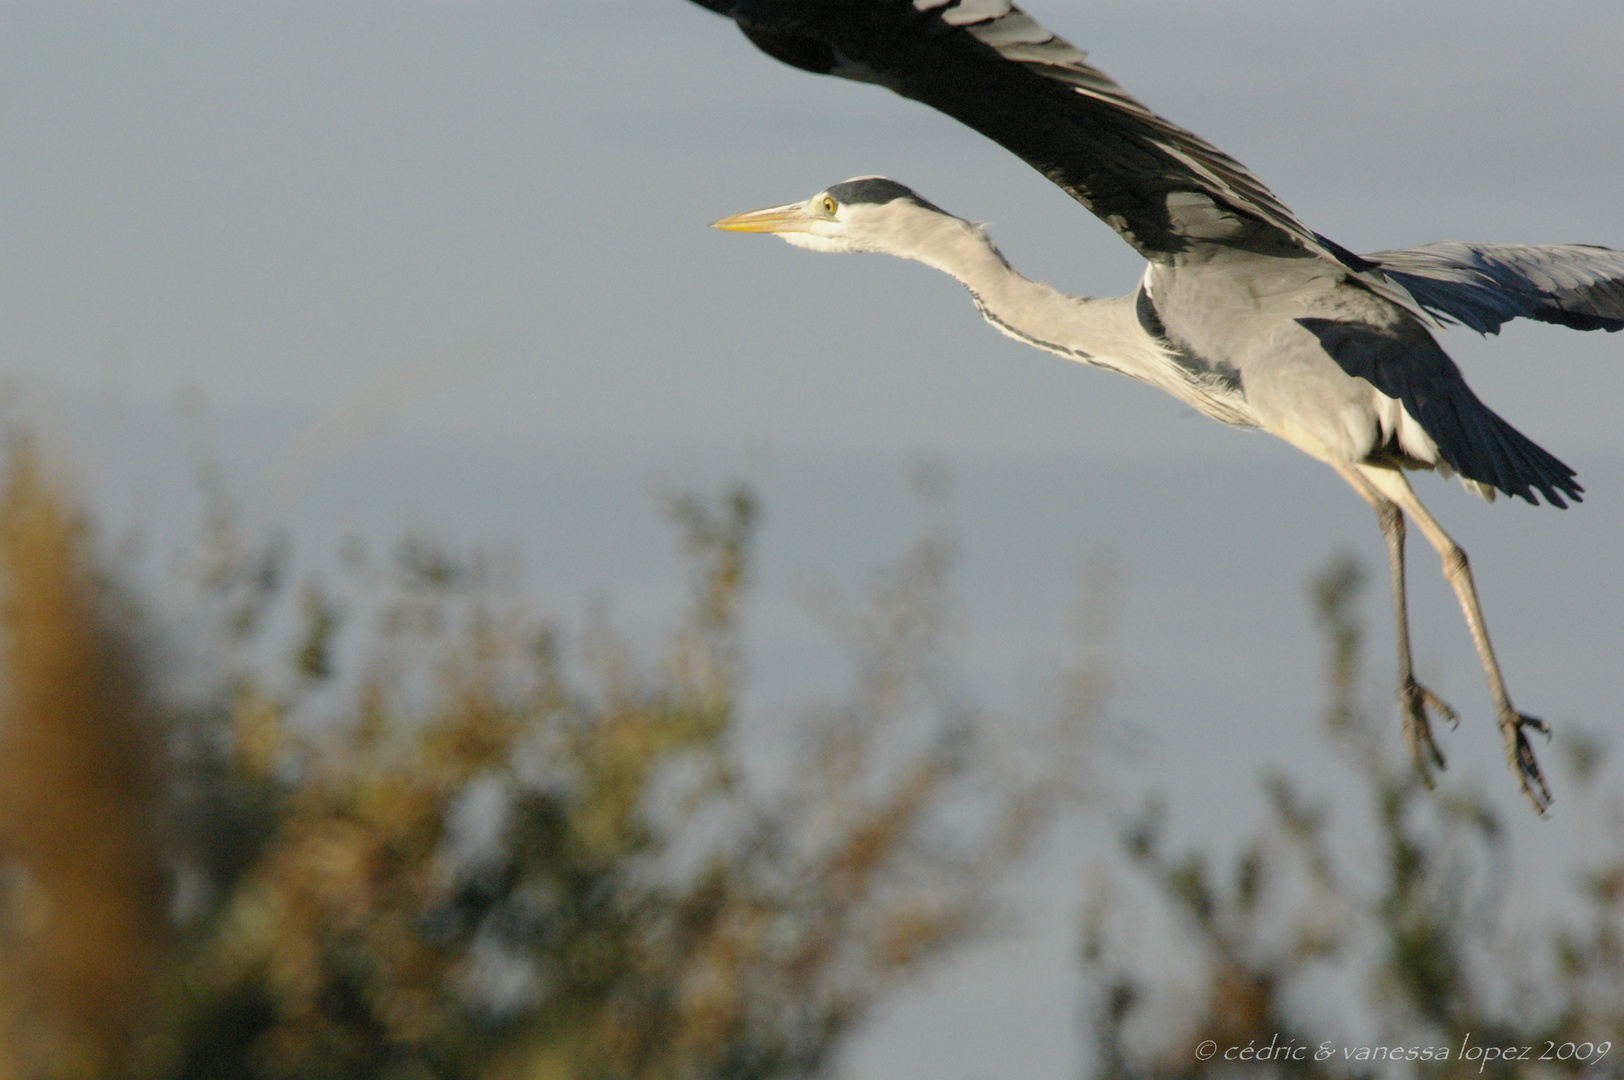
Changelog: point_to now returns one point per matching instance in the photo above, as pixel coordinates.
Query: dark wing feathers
(1486, 285)
(1166, 192)
(1471, 438)
(990, 66)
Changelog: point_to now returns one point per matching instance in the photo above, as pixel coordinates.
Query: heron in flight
(1243, 312)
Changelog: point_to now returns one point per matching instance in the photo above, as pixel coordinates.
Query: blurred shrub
(422, 843)
(1407, 945)
(408, 830)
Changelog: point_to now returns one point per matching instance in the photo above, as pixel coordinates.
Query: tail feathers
(1471, 438)
(1524, 465)
(1480, 445)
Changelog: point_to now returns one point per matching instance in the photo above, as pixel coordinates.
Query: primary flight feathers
(1483, 286)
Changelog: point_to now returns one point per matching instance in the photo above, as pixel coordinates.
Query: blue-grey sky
(446, 264)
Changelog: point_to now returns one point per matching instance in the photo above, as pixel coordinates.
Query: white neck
(1104, 333)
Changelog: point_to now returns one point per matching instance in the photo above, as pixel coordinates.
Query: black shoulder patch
(1150, 320)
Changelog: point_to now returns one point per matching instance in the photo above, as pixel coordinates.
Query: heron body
(1242, 312)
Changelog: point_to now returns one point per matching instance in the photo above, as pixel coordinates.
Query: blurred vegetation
(82, 920)
(390, 824)
(405, 829)
(1393, 951)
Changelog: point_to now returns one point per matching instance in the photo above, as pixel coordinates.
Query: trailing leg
(1457, 571)
(1413, 698)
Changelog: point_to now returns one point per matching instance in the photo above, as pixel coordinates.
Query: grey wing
(1484, 286)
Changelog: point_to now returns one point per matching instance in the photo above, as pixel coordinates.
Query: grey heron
(1242, 312)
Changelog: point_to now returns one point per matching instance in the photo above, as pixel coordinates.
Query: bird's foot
(1413, 702)
(1520, 755)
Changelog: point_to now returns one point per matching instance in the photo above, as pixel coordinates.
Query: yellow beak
(775, 219)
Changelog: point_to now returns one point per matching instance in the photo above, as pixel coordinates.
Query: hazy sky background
(445, 265)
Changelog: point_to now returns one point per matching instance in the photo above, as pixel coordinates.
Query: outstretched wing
(990, 66)
(1486, 285)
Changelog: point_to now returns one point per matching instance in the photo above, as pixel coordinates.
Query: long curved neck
(1105, 333)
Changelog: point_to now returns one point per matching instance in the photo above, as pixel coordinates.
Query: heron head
(867, 213)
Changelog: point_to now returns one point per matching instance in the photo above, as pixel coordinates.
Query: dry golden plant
(82, 919)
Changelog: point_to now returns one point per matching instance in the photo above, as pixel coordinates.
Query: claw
(1413, 701)
(1520, 756)
(1438, 703)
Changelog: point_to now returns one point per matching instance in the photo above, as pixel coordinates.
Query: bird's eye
(828, 206)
